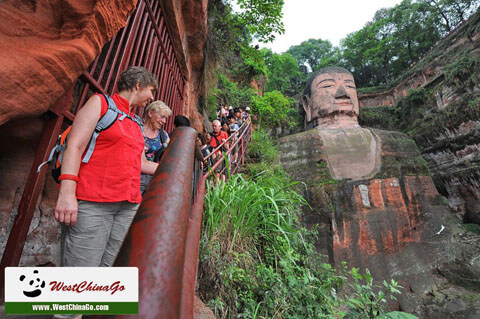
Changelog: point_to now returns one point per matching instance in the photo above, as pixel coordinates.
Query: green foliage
(463, 72)
(397, 315)
(365, 302)
(263, 18)
(388, 45)
(474, 228)
(314, 54)
(253, 61)
(283, 73)
(229, 93)
(382, 117)
(262, 149)
(272, 108)
(404, 116)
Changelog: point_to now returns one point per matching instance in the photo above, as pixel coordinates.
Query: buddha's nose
(341, 93)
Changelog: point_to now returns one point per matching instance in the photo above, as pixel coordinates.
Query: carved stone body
(370, 193)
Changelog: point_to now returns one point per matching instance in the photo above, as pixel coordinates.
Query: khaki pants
(96, 238)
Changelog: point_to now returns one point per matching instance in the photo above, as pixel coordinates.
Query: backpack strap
(56, 149)
(216, 139)
(105, 122)
(222, 149)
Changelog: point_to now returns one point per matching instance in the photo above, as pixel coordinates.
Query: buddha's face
(333, 101)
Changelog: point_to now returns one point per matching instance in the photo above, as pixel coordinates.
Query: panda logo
(33, 286)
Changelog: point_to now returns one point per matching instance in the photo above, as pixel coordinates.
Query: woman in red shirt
(98, 200)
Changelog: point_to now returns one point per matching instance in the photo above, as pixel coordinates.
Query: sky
(324, 19)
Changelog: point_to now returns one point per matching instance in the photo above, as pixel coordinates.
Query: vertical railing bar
(170, 86)
(109, 52)
(164, 79)
(118, 51)
(149, 48)
(152, 18)
(129, 44)
(140, 42)
(87, 85)
(157, 31)
(145, 42)
(156, 71)
(154, 54)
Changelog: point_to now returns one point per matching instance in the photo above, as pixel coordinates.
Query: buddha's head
(330, 99)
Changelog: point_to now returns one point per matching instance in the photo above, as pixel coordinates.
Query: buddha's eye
(326, 86)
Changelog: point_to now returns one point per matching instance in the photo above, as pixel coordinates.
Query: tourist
(226, 128)
(98, 200)
(181, 120)
(218, 137)
(238, 116)
(156, 139)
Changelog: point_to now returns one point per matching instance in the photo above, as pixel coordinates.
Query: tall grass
(245, 212)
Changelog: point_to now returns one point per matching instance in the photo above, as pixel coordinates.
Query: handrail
(156, 240)
(244, 135)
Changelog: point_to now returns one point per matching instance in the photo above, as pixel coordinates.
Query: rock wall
(188, 21)
(395, 223)
(446, 124)
(53, 42)
(17, 152)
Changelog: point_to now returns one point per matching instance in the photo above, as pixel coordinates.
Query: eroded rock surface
(395, 224)
(47, 44)
(447, 127)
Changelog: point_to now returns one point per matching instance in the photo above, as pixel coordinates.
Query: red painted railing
(145, 41)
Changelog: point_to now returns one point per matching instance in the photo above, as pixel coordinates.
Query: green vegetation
(314, 54)
(272, 108)
(417, 115)
(386, 50)
(257, 261)
(464, 72)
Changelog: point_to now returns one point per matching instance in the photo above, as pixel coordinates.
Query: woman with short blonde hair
(156, 139)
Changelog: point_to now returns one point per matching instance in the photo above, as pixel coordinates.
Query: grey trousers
(96, 238)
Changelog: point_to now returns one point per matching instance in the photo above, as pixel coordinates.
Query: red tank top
(113, 172)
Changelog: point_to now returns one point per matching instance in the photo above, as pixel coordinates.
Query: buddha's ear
(306, 103)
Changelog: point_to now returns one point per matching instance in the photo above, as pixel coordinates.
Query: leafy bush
(262, 148)
(272, 108)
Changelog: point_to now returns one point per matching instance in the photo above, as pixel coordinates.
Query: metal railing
(235, 154)
(145, 41)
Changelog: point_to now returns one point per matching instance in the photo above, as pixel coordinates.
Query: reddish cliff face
(49, 44)
(395, 224)
(445, 122)
(189, 33)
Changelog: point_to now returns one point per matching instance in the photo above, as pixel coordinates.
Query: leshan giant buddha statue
(369, 190)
